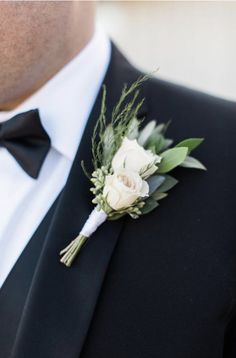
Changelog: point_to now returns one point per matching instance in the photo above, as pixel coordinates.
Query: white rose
(123, 188)
(133, 156)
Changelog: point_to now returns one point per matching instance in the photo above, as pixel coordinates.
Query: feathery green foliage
(109, 132)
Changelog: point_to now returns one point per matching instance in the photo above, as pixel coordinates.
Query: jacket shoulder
(185, 107)
(184, 101)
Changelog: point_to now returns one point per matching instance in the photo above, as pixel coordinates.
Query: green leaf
(168, 184)
(146, 132)
(194, 163)
(85, 170)
(166, 126)
(152, 137)
(132, 132)
(108, 144)
(191, 143)
(156, 140)
(158, 196)
(171, 158)
(154, 182)
(160, 128)
(167, 144)
(150, 204)
(152, 149)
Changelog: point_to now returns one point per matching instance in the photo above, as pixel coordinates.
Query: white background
(192, 43)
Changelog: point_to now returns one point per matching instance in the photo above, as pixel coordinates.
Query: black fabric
(26, 139)
(15, 289)
(170, 290)
(160, 286)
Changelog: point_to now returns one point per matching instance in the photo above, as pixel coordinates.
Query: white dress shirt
(64, 104)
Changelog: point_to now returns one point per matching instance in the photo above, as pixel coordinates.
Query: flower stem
(71, 251)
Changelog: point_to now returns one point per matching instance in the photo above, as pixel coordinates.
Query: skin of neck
(37, 40)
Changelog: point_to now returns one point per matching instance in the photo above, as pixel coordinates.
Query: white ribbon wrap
(95, 219)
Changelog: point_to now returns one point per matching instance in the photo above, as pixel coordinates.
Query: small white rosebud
(123, 188)
(133, 156)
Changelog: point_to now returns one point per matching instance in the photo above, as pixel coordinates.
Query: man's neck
(28, 65)
(9, 106)
(14, 103)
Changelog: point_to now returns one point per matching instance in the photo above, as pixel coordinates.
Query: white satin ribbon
(95, 219)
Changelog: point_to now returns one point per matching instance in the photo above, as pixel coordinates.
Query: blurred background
(191, 42)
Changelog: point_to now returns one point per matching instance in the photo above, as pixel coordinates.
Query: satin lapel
(61, 301)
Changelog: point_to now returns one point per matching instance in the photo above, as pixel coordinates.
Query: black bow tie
(25, 138)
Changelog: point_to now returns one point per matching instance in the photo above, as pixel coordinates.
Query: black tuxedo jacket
(161, 286)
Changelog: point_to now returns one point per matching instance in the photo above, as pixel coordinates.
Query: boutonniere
(131, 166)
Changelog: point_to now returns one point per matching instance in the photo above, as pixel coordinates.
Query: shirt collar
(66, 100)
